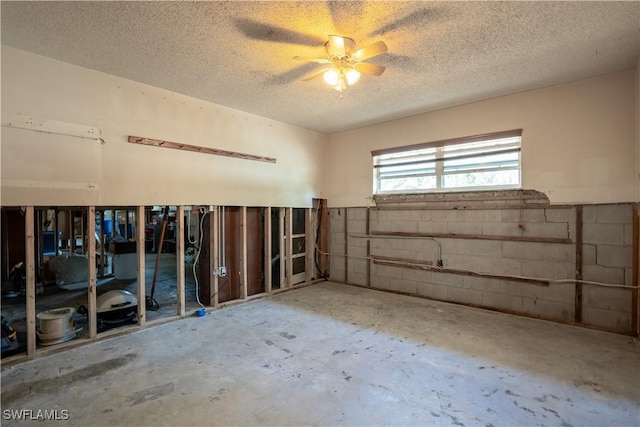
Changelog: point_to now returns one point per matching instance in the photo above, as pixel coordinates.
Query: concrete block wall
(498, 242)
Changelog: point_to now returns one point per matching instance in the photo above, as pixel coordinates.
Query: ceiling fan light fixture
(332, 76)
(352, 76)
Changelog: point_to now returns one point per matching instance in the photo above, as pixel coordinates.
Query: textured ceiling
(239, 54)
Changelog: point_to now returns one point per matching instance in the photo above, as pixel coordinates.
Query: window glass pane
(408, 184)
(481, 179)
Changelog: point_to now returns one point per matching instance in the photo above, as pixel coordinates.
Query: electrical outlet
(223, 271)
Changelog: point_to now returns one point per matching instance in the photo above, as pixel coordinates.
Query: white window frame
(429, 160)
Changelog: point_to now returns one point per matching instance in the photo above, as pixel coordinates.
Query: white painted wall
(45, 169)
(579, 141)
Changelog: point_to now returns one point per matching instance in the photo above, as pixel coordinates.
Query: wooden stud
(309, 240)
(635, 279)
(214, 252)
(140, 238)
(324, 237)
(244, 273)
(283, 246)
(91, 289)
(103, 250)
(346, 245)
(577, 315)
(30, 280)
(288, 243)
(180, 309)
(198, 149)
(268, 272)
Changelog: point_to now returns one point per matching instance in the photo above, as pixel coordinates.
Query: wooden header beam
(197, 149)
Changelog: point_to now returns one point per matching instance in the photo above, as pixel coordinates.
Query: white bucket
(56, 325)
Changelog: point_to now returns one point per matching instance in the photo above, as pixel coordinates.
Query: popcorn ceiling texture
(239, 54)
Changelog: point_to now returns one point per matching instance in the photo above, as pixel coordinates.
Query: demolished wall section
(520, 256)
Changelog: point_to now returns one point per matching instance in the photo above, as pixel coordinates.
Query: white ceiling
(239, 54)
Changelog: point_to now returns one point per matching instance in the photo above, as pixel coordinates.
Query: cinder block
(548, 270)
(465, 296)
(447, 279)
(465, 227)
(502, 266)
(467, 262)
(560, 215)
(402, 285)
(432, 290)
(380, 282)
(501, 229)
(524, 250)
(426, 216)
(532, 215)
(433, 227)
(385, 244)
(607, 234)
(386, 271)
(588, 254)
(551, 310)
(558, 252)
(358, 278)
(419, 276)
(357, 214)
(559, 292)
(614, 256)
(608, 298)
(628, 234)
(628, 276)
(481, 283)
(589, 214)
(556, 230)
(400, 226)
(598, 273)
(453, 215)
(502, 301)
(485, 248)
(511, 215)
(483, 215)
(357, 225)
(616, 321)
(614, 214)
(411, 215)
(358, 266)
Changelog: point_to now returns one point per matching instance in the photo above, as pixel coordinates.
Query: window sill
(464, 198)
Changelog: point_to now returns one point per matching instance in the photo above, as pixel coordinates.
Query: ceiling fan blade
(369, 51)
(412, 20)
(366, 68)
(314, 74)
(271, 33)
(312, 59)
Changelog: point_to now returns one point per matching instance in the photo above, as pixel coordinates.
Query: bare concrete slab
(332, 354)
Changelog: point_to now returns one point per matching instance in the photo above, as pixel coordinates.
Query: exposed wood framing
(578, 286)
(346, 245)
(214, 252)
(400, 260)
(288, 240)
(474, 237)
(140, 226)
(91, 255)
(267, 250)
(324, 238)
(180, 309)
(635, 295)
(30, 264)
(309, 240)
(197, 149)
(425, 267)
(244, 286)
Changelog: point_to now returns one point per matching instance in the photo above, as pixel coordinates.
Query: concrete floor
(331, 354)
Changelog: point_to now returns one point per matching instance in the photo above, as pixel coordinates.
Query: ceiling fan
(345, 63)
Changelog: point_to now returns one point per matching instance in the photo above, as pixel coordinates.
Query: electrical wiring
(195, 261)
(389, 236)
(445, 270)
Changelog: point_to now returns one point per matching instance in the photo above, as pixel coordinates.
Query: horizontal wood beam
(461, 272)
(198, 149)
(401, 234)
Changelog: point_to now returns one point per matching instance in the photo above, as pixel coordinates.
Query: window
(480, 162)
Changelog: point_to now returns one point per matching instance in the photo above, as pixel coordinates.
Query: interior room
(320, 213)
